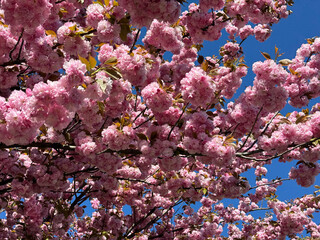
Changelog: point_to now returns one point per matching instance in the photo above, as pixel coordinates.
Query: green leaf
(113, 73)
(125, 29)
(302, 119)
(285, 120)
(43, 129)
(153, 136)
(179, 100)
(204, 191)
(85, 62)
(102, 84)
(211, 114)
(142, 136)
(73, 28)
(266, 55)
(51, 33)
(243, 65)
(124, 20)
(100, 2)
(200, 59)
(92, 62)
(111, 61)
(285, 62)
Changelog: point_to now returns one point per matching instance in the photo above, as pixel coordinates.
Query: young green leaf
(85, 62)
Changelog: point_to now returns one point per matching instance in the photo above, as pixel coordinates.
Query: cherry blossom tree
(89, 118)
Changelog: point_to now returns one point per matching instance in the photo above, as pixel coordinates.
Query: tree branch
(263, 132)
(254, 123)
(277, 155)
(135, 40)
(183, 110)
(270, 183)
(39, 145)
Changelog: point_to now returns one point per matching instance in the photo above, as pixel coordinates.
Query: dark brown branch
(125, 151)
(271, 183)
(79, 199)
(139, 222)
(241, 155)
(15, 47)
(87, 170)
(39, 145)
(6, 190)
(10, 63)
(252, 127)
(150, 118)
(135, 40)
(257, 209)
(263, 132)
(153, 221)
(23, 72)
(242, 41)
(6, 181)
(20, 50)
(162, 234)
(139, 114)
(183, 110)
(159, 217)
(134, 180)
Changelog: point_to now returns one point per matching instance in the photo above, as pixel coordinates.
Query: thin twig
(125, 151)
(153, 221)
(135, 180)
(137, 223)
(15, 46)
(21, 73)
(139, 114)
(20, 50)
(150, 118)
(135, 40)
(183, 110)
(251, 130)
(277, 155)
(11, 63)
(263, 132)
(242, 41)
(270, 183)
(309, 57)
(135, 102)
(87, 170)
(39, 145)
(256, 209)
